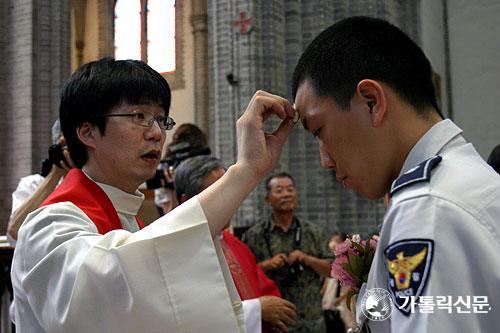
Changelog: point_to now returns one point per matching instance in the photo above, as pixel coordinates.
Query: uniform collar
(432, 143)
(124, 203)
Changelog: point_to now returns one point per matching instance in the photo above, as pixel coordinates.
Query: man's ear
(86, 134)
(372, 94)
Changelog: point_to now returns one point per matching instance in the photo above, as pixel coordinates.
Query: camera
(178, 153)
(55, 157)
(289, 272)
(158, 180)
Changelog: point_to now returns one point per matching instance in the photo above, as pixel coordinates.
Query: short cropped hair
(189, 175)
(494, 159)
(358, 48)
(95, 88)
(277, 175)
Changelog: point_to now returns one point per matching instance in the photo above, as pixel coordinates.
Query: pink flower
(353, 250)
(351, 247)
(342, 248)
(373, 244)
(342, 260)
(356, 238)
(338, 272)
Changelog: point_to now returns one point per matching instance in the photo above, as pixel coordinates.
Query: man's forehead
(142, 106)
(280, 181)
(301, 102)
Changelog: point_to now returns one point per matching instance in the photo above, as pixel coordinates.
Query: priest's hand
(277, 311)
(258, 154)
(258, 151)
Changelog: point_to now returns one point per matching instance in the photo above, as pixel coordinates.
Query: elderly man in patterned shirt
(290, 253)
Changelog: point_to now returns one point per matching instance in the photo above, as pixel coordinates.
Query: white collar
(124, 203)
(432, 142)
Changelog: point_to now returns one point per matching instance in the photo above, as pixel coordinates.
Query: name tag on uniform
(408, 264)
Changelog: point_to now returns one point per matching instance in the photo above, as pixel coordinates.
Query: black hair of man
(189, 175)
(494, 159)
(277, 175)
(96, 87)
(358, 48)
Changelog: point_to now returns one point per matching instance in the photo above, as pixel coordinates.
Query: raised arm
(258, 154)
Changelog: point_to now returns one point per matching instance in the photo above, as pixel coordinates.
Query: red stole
(249, 278)
(90, 198)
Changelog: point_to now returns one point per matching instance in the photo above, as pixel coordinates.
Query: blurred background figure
(32, 190)
(291, 252)
(188, 141)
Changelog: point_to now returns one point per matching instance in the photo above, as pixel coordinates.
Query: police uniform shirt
(440, 240)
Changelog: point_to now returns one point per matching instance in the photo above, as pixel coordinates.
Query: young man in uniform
(365, 90)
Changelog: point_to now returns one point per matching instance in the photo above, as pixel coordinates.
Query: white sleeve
(253, 315)
(26, 187)
(165, 277)
(162, 196)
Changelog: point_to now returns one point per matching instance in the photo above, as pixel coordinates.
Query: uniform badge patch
(408, 264)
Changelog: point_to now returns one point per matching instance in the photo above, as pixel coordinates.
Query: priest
(85, 263)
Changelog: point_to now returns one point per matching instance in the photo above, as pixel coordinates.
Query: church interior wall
(475, 53)
(433, 45)
(37, 61)
(183, 102)
(91, 33)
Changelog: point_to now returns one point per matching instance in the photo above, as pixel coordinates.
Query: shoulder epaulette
(417, 174)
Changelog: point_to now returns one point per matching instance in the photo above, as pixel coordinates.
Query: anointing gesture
(258, 154)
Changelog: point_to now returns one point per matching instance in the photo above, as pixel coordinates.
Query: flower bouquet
(351, 266)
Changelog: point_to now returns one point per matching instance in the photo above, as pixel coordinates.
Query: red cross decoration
(245, 24)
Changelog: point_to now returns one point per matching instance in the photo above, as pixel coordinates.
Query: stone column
(79, 9)
(199, 21)
(37, 63)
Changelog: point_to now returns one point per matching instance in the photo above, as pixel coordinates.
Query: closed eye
(316, 133)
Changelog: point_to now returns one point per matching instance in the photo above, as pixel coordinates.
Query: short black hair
(282, 174)
(494, 159)
(358, 48)
(96, 87)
